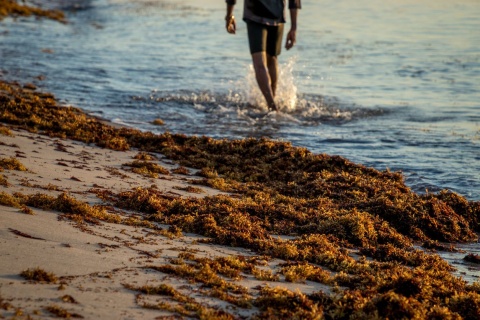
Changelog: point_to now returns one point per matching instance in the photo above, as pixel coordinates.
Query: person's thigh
(274, 40)
(257, 37)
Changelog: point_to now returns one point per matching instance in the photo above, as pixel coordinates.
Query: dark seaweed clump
(39, 275)
(329, 206)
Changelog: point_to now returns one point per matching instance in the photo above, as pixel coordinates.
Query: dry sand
(93, 262)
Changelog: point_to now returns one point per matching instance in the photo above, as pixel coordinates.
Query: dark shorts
(265, 38)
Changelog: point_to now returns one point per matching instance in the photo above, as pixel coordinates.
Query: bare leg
(262, 74)
(272, 65)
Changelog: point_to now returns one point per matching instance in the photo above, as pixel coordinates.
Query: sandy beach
(100, 221)
(93, 263)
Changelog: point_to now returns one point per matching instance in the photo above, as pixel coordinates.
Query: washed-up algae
(39, 275)
(14, 9)
(328, 206)
(263, 167)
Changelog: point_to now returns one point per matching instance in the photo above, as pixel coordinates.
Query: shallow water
(467, 270)
(389, 84)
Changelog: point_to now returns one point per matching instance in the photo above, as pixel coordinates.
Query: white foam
(286, 95)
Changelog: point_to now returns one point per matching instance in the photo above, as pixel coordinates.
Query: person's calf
(272, 65)
(262, 74)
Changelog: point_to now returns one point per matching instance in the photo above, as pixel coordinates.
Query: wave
(243, 99)
(306, 109)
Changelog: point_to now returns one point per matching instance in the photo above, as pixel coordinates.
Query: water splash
(304, 109)
(286, 96)
(287, 89)
(245, 101)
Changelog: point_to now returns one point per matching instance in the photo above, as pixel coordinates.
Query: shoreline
(178, 226)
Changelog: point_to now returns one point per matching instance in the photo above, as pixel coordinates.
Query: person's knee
(271, 58)
(272, 61)
(259, 60)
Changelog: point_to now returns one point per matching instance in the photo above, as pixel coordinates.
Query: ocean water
(386, 83)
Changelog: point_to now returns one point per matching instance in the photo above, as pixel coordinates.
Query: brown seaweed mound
(317, 192)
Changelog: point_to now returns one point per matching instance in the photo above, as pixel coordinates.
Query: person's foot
(272, 107)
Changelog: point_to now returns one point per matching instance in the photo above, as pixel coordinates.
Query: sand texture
(93, 263)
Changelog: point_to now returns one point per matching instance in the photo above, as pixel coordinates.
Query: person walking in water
(265, 20)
